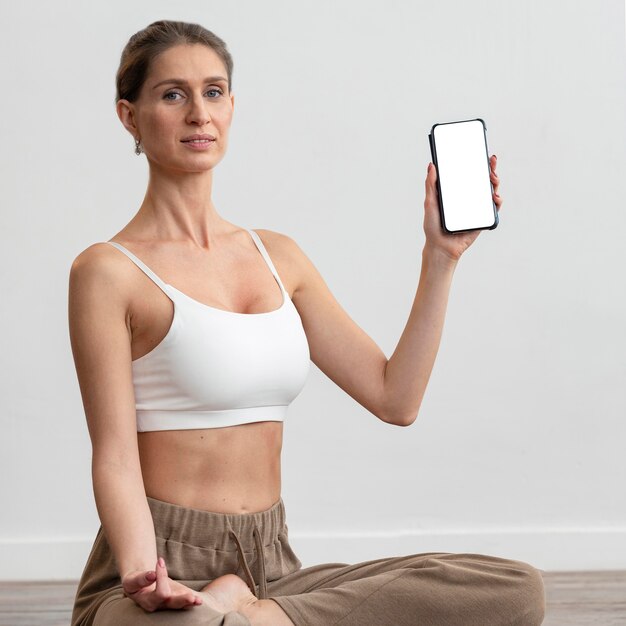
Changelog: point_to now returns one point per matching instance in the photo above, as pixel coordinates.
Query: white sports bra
(218, 368)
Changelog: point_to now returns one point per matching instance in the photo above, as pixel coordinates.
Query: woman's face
(185, 93)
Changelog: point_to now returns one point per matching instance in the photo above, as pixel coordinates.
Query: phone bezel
(433, 152)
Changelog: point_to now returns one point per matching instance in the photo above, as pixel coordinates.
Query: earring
(138, 147)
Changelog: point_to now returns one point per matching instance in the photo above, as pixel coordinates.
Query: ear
(126, 113)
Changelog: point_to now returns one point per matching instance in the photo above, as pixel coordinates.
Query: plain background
(518, 450)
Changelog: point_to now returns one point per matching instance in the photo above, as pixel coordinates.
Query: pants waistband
(221, 531)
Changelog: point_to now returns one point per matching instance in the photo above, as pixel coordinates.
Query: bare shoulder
(273, 239)
(97, 257)
(99, 288)
(286, 254)
(100, 267)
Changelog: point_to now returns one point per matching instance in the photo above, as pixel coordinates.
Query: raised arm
(100, 340)
(410, 366)
(392, 389)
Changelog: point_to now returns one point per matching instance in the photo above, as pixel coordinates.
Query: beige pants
(429, 589)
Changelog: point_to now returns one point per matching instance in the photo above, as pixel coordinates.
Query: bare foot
(228, 593)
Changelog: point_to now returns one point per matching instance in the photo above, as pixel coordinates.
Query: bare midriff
(234, 469)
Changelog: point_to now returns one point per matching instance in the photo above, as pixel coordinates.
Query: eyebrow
(180, 81)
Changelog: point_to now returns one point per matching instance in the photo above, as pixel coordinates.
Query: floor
(573, 599)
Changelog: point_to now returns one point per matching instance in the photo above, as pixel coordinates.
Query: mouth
(204, 138)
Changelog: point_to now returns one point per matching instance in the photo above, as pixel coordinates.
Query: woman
(189, 345)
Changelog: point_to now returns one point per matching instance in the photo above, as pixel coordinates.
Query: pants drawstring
(244, 563)
(261, 558)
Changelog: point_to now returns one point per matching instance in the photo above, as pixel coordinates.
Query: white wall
(518, 450)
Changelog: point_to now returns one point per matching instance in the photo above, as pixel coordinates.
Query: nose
(198, 111)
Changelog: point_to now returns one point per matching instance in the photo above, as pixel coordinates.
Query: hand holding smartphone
(460, 154)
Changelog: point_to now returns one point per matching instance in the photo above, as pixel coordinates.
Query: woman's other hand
(154, 590)
(450, 244)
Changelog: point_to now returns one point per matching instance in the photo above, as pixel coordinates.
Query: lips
(203, 137)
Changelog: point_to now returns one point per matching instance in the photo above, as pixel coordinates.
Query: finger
(495, 182)
(190, 601)
(139, 581)
(498, 201)
(185, 600)
(162, 581)
(196, 600)
(431, 177)
(188, 607)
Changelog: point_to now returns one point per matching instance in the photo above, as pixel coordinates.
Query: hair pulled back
(145, 45)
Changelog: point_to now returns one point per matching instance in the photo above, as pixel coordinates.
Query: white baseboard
(552, 549)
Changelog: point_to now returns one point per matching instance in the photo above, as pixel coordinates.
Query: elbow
(407, 421)
(399, 416)
(398, 413)
(399, 420)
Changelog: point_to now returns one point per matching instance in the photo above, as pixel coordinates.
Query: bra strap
(140, 264)
(266, 256)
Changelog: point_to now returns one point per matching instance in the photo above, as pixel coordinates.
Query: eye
(173, 93)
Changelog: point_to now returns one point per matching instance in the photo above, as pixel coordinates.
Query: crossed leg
(430, 589)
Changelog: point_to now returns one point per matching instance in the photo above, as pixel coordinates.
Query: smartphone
(460, 154)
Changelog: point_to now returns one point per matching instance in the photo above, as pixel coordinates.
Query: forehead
(187, 62)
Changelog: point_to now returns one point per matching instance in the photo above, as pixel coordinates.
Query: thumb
(138, 580)
(431, 178)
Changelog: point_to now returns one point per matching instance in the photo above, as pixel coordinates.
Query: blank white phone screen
(463, 170)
